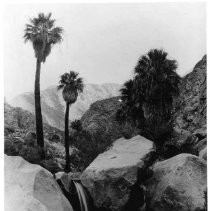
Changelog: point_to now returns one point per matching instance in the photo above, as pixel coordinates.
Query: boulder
(31, 187)
(200, 132)
(203, 153)
(101, 119)
(67, 183)
(178, 183)
(111, 176)
(65, 179)
(201, 145)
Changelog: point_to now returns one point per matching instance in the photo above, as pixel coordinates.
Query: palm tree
(131, 108)
(157, 82)
(148, 97)
(72, 85)
(43, 34)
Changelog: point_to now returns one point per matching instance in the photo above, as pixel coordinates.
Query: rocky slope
(18, 122)
(20, 139)
(101, 118)
(189, 117)
(191, 104)
(53, 105)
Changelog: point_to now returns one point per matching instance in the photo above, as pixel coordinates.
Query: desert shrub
(12, 147)
(31, 154)
(55, 138)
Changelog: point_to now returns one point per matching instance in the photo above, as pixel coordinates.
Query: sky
(102, 42)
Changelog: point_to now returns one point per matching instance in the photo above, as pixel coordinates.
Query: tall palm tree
(149, 95)
(157, 82)
(71, 85)
(43, 34)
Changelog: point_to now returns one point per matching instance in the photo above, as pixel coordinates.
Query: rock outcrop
(190, 109)
(19, 122)
(111, 176)
(191, 104)
(178, 183)
(31, 187)
(100, 118)
(53, 105)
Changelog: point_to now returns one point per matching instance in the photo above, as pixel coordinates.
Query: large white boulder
(111, 175)
(31, 187)
(178, 183)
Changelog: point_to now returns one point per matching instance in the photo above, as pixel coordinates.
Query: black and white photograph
(104, 106)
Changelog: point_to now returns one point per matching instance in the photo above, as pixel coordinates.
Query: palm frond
(71, 80)
(43, 34)
(59, 87)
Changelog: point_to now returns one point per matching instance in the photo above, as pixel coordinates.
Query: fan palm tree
(148, 97)
(71, 85)
(43, 34)
(157, 82)
(131, 107)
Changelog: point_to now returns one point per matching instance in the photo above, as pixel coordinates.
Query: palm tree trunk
(38, 112)
(67, 167)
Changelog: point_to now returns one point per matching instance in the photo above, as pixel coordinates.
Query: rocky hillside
(18, 122)
(53, 105)
(101, 118)
(191, 105)
(20, 139)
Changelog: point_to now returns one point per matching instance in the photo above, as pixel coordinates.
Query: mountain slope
(191, 104)
(190, 108)
(18, 122)
(101, 118)
(53, 105)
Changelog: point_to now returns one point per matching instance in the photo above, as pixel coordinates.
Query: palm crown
(156, 77)
(71, 85)
(43, 34)
(153, 87)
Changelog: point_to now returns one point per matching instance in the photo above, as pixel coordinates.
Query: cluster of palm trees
(148, 97)
(43, 35)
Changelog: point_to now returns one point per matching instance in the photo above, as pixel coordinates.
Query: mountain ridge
(53, 105)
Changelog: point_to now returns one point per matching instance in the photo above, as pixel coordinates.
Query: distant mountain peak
(53, 105)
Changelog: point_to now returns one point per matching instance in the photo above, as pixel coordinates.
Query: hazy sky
(102, 41)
